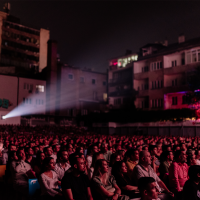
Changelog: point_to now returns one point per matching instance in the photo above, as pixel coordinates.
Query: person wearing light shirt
(62, 166)
(19, 169)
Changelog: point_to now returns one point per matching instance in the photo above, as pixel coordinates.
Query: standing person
(49, 180)
(178, 171)
(76, 185)
(191, 189)
(63, 163)
(148, 188)
(104, 186)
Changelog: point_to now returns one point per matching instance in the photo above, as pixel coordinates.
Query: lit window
(39, 88)
(93, 81)
(70, 76)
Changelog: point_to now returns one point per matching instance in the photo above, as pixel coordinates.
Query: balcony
(121, 93)
(113, 82)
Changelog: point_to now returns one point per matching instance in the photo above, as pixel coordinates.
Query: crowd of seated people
(74, 164)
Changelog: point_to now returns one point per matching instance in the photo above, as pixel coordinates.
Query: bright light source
(3, 117)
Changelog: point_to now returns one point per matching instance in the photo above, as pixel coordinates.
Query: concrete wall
(3, 15)
(36, 100)
(44, 37)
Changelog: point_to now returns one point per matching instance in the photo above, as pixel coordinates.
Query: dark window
(175, 81)
(104, 83)
(158, 85)
(172, 82)
(174, 100)
(152, 103)
(161, 83)
(183, 61)
(158, 64)
(154, 66)
(184, 99)
(152, 85)
(93, 81)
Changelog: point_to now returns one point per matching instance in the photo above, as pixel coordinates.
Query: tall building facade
(161, 74)
(120, 80)
(21, 47)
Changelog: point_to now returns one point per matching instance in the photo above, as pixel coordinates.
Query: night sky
(90, 33)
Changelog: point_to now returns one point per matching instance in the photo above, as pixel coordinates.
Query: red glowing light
(115, 63)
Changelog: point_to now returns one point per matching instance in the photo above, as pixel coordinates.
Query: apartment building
(21, 47)
(120, 80)
(162, 71)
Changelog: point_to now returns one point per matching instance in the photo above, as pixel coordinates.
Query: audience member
(148, 188)
(119, 171)
(132, 160)
(75, 185)
(49, 180)
(62, 165)
(178, 171)
(191, 189)
(104, 186)
(143, 169)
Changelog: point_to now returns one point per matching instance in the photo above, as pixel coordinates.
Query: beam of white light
(63, 100)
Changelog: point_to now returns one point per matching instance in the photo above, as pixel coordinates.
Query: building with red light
(120, 80)
(158, 75)
(162, 71)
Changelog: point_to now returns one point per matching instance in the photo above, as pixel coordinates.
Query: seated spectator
(178, 171)
(19, 169)
(91, 150)
(29, 156)
(37, 167)
(106, 154)
(191, 160)
(154, 154)
(119, 171)
(166, 160)
(62, 165)
(95, 157)
(49, 153)
(11, 158)
(105, 187)
(191, 189)
(75, 185)
(70, 148)
(143, 169)
(197, 153)
(35, 149)
(114, 158)
(148, 188)
(132, 160)
(5, 153)
(56, 149)
(49, 180)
